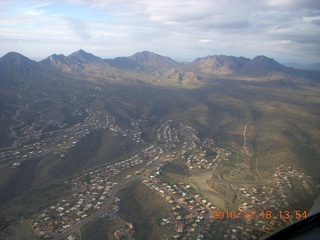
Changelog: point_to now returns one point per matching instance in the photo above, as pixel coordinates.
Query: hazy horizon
(177, 60)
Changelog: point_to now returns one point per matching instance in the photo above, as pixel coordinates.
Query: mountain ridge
(220, 64)
(161, 69)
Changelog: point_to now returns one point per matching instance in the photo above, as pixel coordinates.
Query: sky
(286, 30)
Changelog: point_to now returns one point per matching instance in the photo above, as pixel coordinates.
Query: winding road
(15, 118)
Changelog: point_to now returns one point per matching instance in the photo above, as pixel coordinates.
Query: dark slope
(124, 63)
(15, 64)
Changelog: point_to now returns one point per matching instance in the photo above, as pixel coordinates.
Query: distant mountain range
(151, 67)
(311, 66)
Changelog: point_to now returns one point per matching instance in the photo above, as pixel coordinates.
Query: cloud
(33, 10)
(294, 4)
(79, 27)
(286, 42)
(175, 28)
(205, 41)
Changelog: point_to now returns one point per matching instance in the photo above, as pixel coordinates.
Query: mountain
(60, 62)
(151, 61)
(74, 61)
(15, 67)
(262, 66)
(220, 65)
(16, 63)
(229, 65)
(80, 64)
(83, 57)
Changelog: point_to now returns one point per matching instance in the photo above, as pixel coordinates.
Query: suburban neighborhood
(192, 213)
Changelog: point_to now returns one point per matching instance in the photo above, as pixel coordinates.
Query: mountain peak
(56, 60)
(262, 66)
(145, 56)
(267, 62)
(152, 60)
(145, 52)
(264, 59)
(55, 57)
(80, 53)
(14, 64)
(16, 57)
(82, 56)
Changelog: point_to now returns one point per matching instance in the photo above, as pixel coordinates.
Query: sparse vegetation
(60, 124)
(144, 208)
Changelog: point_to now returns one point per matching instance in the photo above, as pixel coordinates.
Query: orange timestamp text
(258, 215)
